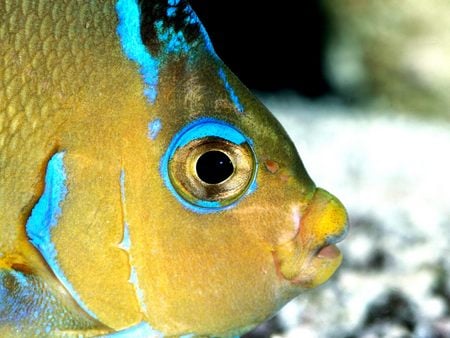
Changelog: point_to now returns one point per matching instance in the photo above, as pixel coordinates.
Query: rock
(393, 308)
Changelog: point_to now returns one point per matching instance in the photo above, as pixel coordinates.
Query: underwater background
(363, 89)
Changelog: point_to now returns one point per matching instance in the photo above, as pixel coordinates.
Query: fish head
(241, 228)
(176, 198)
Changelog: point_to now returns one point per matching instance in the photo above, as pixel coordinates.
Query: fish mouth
(329, 250)
(312, 257)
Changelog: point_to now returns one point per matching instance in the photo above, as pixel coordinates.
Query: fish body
(143, 189)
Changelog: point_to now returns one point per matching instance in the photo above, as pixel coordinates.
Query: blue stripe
(125, 244)
(44, 217)
(154, 127)
(193, 19)
(129, 31)
(141, 330)
(234, 98)
(206, 127)
(137, 289)
(13, 302)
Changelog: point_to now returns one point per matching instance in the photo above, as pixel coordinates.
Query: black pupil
(214, 167)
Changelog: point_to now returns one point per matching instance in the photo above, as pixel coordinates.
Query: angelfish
(144, 191)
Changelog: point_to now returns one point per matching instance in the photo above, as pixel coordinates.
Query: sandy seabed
(392, 172)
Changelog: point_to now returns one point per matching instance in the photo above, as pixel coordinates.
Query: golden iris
(212, 169)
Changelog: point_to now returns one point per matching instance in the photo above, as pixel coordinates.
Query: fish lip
(311, 257)
(340, 237)
(332, 241)
(328, 252)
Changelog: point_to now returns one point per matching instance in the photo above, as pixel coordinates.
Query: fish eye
(209, 165)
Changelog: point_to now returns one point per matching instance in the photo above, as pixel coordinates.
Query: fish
(144, 190)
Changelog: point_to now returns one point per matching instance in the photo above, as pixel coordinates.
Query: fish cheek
(86, 239)
(208, 275)
(210, 272)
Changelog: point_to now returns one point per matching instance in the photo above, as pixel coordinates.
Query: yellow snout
(311, 257)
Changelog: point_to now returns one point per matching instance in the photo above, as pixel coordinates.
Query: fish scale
(106, 108)
(32, 95)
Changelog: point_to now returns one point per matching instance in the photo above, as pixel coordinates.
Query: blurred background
(363, 89)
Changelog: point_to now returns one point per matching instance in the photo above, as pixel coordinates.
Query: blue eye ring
(178, 165)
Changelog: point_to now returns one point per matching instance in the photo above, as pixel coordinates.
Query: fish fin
(172, 26)
(31, 305)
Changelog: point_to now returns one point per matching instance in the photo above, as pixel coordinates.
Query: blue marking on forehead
(44, 217)
(203, 127)
(154, 127)
(234, 98)
(129, 31)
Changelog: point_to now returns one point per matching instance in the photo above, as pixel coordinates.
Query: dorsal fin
(152, 31)
(171, 25)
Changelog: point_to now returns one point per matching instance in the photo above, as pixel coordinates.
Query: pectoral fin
(31, 306)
